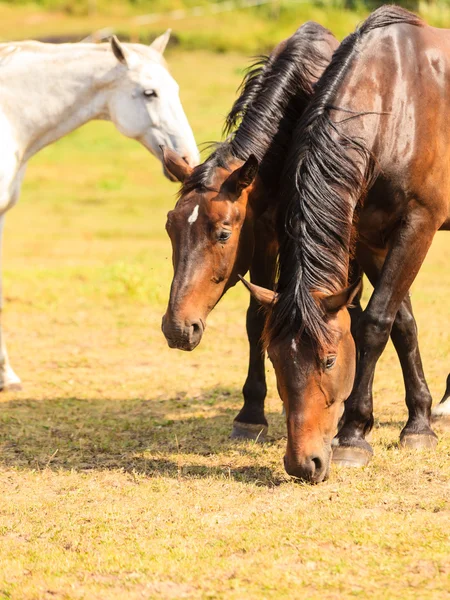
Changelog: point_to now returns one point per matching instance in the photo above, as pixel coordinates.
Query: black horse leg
(417, 432)
(251, 422)
(351, 446)
(355, 311)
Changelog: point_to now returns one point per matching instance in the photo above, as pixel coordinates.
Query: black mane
(325, 176)
(273, 95)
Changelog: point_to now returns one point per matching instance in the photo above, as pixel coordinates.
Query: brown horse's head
(211, 227)
(211, 230)
(312, 385)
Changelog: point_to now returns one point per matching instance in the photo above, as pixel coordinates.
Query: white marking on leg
(193, 216)
(442, 409)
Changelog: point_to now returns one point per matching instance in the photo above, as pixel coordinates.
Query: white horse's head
(144, 102)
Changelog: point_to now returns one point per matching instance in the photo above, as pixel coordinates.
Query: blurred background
(229, 25)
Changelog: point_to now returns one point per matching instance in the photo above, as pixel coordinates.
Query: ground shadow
(173, 437)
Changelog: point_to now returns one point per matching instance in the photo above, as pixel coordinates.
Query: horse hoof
(11, 387)
(351, 456)
(249, 431)
(416, 441)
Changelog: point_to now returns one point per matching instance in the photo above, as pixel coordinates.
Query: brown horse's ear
(242, 177)
(175, 164)
(264, 296)
(334, 302)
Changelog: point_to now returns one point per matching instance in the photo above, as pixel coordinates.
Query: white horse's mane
(10, 49)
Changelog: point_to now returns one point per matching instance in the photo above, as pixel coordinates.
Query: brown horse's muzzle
(313, 469)
(184, 335)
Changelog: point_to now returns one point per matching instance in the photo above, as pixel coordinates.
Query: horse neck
(270, 143)
(48, 92)
(261, 198)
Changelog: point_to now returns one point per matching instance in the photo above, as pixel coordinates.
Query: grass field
(117, 475)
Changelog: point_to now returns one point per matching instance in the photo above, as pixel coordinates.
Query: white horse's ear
(122, 53)
(159, 45)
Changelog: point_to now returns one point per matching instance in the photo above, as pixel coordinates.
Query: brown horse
(223, 222)
(367, 171)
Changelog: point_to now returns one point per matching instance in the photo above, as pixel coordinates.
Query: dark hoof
(249, 431)
(417, 441)
(351, 456)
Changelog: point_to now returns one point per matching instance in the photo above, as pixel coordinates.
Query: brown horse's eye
(329, 362)
(223, 236)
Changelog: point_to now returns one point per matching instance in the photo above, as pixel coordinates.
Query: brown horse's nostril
(196, 327)
(184, 335)
(318, 464)
(312, 469)
(196, 332)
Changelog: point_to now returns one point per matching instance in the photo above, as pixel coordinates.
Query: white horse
(47, 91)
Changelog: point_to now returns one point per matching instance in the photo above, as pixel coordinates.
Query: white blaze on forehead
(193, 216)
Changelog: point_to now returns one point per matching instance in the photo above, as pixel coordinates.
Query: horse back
(398, 89)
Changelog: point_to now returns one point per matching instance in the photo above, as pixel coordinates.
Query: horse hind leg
(417, 432)
(442, 410)
(8, 378)
(350, 445)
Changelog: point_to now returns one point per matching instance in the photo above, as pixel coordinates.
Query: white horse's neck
(48, 92)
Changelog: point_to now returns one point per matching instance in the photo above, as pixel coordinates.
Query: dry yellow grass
(118, 478)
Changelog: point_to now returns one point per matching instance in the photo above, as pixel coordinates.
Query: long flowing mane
(273, 95)
(325, 177)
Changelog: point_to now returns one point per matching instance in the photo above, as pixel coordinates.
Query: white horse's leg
(443, 408)
(8, 379)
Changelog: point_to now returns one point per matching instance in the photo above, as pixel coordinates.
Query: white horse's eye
(150, 94)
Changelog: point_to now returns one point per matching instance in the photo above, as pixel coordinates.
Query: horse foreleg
(404, 338)
(251, 422)
(375, 325)
(8, 379)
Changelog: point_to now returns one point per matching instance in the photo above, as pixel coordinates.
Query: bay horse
(367, 175)
(209, 254)
(223, 223)
(49, 90)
